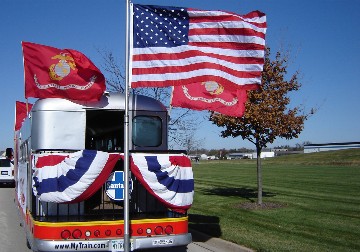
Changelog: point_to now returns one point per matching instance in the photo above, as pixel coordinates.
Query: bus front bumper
(114, 245)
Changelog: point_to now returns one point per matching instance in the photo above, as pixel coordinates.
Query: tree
(192, 144)
(301, 146)
(267, 114)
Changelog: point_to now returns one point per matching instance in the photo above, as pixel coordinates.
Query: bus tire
(28, 243)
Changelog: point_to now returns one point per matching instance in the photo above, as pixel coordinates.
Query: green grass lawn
(318, 197)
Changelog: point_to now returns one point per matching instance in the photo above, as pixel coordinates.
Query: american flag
(179, 46)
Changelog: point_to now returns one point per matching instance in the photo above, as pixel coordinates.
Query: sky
(323, 38)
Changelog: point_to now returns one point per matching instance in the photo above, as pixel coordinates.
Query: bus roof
(107, 101)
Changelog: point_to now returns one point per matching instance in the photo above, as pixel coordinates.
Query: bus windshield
(147, 131)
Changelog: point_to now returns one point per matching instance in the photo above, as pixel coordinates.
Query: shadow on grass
(204, 224)
(210, 225)
(242, 192)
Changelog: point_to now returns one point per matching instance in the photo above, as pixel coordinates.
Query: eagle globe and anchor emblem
(213, 87)
(61, 69)
(215, 90)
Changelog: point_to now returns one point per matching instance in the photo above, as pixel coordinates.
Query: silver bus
(59, 126)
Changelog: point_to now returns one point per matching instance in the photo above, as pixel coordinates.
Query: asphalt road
(12, 236)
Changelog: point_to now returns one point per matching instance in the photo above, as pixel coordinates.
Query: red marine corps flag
(210, 96)
(21, 111)
(64, 73)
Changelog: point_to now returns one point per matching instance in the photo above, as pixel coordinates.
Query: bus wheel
(28, 243)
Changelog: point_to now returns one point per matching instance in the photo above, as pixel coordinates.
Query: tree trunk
(259, 174)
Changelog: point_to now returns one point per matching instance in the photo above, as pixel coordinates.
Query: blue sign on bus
(115, 185)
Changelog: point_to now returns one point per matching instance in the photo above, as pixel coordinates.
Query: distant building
(279, 150)
(194, 157)
(283, 153)
(264, 154)
(239, 155)
(310, 148)
(206, 157)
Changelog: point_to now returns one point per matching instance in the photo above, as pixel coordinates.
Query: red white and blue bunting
(69, 178)
(168, 177)
(74, 177)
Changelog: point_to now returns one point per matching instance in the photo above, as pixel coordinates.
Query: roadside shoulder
(220, 244)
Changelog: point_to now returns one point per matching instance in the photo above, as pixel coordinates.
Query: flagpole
(126, 131)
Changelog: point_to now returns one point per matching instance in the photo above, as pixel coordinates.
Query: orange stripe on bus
(49, 230)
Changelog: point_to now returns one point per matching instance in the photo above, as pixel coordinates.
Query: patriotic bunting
(70, 178)
(168, 177)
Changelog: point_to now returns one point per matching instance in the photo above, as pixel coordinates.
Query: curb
(217, 243)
